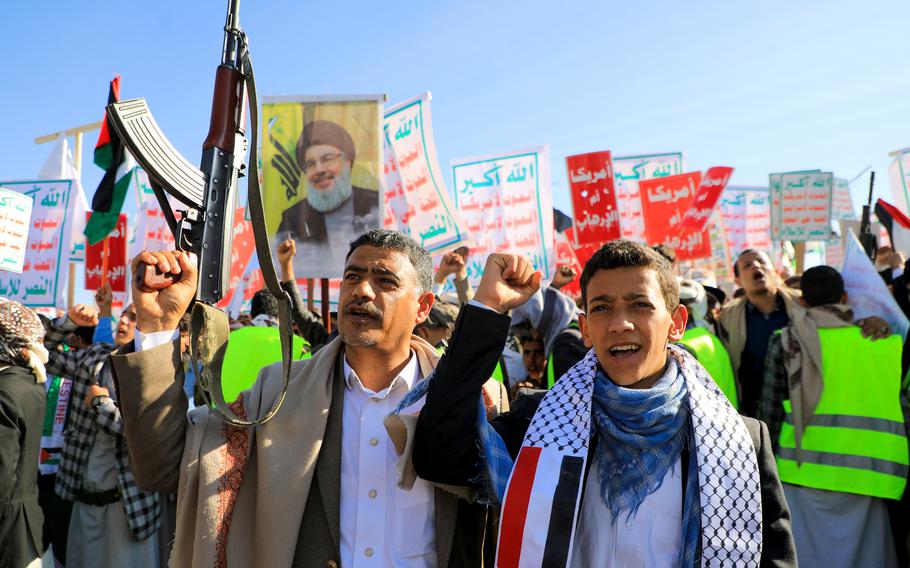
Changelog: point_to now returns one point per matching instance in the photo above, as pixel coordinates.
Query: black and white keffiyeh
(21, 336)
(542, 499)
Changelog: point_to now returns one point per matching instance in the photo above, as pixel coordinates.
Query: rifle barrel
(230, 50)
(871, 184)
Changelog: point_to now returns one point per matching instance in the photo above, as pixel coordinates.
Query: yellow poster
(321, 166)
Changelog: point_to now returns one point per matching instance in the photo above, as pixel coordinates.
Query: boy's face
(628, 324)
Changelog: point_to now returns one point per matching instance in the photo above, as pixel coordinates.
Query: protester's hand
(161, 310)
(93, 391)
(83, 315)
(564, 275)
(896, 260)
(452, 263)
(286, 253)
(464, 253)
(882, 254)
(104, 297)
(874, 328)
(508, 281)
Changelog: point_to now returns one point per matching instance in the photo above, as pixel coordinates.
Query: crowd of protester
(785, 351)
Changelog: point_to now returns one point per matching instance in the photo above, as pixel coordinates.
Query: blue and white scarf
(723, 520)
(642, 433)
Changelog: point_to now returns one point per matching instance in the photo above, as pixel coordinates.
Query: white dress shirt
(381, 524)
(146, 341)
(651, 538)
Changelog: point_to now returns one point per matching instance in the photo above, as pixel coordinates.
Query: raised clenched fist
(287, 250)
(83, 315)
(564, 275)
(161, 310)
(508, 281)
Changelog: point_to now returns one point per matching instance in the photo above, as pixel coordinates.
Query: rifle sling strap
(211, 324)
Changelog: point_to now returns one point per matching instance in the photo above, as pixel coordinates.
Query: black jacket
(22, 407)
(302, 222)
(445, 444)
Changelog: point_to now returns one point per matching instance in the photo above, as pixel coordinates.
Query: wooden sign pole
(326, 305)
(77, 132)
(799, 249)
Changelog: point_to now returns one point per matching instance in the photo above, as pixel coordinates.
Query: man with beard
(321, 484)
(747, 323)
(334, 211)
(113, 522)
(633, 458)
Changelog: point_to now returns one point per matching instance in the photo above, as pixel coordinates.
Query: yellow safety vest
(856, 441)
(711, 353)
(249, 350)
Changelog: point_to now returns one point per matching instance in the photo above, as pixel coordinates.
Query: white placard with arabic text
(627, 172)
(745, 217)
(867, 294)
(506, 203)
(416, 199)
(805, 205)
(43, 279)
(15, 218)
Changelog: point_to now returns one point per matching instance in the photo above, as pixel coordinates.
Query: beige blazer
(246, 497)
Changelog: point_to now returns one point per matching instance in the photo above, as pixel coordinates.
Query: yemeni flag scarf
(111, 156)
(543, 498)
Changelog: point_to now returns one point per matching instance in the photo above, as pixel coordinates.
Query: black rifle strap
(214, 322)
(165, 205)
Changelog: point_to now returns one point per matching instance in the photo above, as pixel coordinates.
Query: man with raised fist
(633, 458)
(113, 522)
(321, 484)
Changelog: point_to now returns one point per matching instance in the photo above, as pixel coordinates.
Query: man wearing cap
(438, 326)
(333, 205)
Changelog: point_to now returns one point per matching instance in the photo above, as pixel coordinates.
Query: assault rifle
(209, 193)
(867, 239)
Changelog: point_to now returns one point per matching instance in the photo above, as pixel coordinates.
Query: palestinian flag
(897, 224)
(111, 156)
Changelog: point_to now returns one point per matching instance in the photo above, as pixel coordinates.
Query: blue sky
(760, 86)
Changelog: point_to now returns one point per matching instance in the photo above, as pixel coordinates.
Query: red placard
(714, 182)
(106, 261)
(565, 256)
(664, 200)
(242, 251)
(593, 197)
(582, 252)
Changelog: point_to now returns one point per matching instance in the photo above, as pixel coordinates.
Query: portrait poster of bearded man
(321, 160)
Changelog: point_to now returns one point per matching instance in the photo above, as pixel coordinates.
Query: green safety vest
(855, 441)
(551, 372)
(250, 349)
(713, 356)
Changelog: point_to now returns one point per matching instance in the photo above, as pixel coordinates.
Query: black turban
(328, 133)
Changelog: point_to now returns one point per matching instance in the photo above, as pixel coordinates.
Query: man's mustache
(364, 308)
